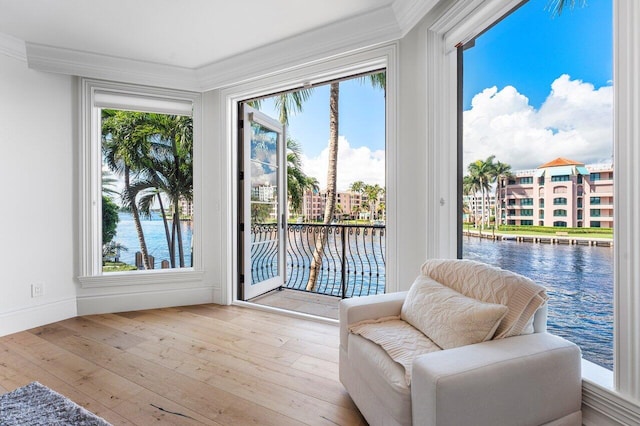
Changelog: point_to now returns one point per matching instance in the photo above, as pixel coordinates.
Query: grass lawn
(117, 267)
(542, 231)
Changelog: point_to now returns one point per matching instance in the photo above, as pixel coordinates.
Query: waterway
(579, 282)
(155, 238)
(579, 279)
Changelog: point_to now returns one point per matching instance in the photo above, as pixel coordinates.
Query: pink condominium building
(561, 193)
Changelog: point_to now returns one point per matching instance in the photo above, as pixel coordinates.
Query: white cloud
(575, 122)
(353, 164)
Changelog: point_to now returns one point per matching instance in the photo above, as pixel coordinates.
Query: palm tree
(357, 187)
(170, 173)
(557, 6)
(297, 181)
(501, 171)
(373, 192)
(355, 211)
(125, 148)
(470, 187)
(332, 172)
(483, 172)
(377, 80)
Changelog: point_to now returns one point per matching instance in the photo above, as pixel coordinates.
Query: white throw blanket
(482, 282)
(398, 338)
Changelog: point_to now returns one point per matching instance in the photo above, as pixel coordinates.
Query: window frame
(90, 183)
(606, 395)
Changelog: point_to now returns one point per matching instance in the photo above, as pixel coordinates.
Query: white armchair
(531, 379)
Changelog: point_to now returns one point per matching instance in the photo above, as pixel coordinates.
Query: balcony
(353, 264)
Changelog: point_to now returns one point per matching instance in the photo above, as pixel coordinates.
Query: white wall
(37, 123)
(412, 169)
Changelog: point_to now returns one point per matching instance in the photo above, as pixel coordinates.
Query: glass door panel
(263, 213)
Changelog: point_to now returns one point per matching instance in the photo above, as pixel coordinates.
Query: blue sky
(362, 117)
(539, 81)
(530, 48)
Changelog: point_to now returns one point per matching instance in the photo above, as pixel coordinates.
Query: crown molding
(12, 47)
(349, 35)
(374, 28)
(409, 12)
(85, 64)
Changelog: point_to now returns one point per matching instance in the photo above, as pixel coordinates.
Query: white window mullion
(627, 211)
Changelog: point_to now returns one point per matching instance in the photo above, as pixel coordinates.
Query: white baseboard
(36, 316)
(601, 407)
(122, 302)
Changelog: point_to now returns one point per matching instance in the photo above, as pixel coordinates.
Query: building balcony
(352, 260)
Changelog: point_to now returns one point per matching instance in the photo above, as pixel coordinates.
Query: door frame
(226, 102)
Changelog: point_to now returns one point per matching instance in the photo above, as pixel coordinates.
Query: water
(154, 236)
(579, 281)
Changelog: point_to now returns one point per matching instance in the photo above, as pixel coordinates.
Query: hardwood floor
(206, 364)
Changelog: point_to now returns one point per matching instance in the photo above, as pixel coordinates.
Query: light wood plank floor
(206, 364)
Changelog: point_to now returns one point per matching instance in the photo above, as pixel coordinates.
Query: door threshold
(285, 311)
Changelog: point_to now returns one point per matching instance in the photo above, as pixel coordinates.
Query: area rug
(36, 404)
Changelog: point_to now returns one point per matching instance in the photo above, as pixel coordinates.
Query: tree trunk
(176, 222)
(136, 220)
(166, 231)
(332, 174)
(483, 212)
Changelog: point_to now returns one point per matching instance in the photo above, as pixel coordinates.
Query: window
(561, 178)
(511, 212)
(594, 224)
(541, 203)
(526, 202)
(579, 202)
(526, 222)
(560, 212)
(559, 201)
(526, 180)
(594, 177)
(595, 212)
(579, 178)
(595, 200)
(560, 190)
(604, 392)
(526, 212)
(511, 202)
(541, 180)
(541, 214)
(579, 214)
(560, 224)
(137, 153)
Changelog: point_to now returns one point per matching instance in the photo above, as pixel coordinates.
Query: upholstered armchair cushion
(530, 379)
(448, 318)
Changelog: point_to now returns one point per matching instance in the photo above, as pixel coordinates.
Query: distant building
(473, 204)
(561, 193)
(351, 205)
(186, 207)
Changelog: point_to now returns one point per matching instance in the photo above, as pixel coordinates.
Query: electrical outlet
(37, 289)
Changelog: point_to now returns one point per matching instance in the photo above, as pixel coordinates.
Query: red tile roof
(560, 162)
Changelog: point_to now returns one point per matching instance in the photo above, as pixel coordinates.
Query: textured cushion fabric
(482, 282)
(380, 379)
(450, 318)
(398, 338)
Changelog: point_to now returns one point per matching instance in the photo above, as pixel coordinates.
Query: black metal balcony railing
(353, 262)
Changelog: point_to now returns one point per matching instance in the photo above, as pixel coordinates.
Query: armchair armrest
(527, 380)
(362, 308)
